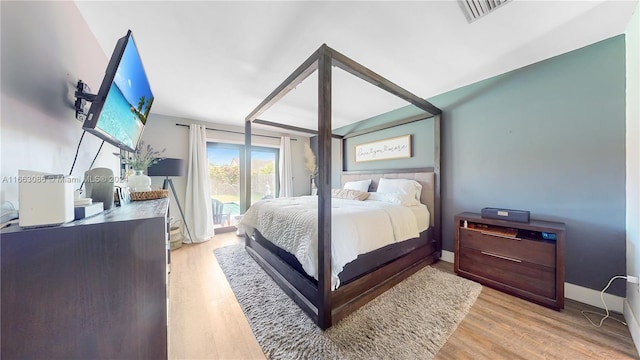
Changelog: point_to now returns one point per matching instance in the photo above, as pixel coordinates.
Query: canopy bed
(375, 271)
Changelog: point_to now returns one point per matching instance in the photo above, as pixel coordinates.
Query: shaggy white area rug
(410, 321)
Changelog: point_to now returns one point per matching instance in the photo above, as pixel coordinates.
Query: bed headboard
(426, 178)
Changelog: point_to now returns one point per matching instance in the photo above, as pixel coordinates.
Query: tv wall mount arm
(83, 94)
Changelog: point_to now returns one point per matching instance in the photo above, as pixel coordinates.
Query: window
(264, 170)
(225, 175)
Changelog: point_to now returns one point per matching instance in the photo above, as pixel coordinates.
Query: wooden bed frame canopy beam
(323, 312)
(292, 128)
(364, 73)
(351, 134)
(387, 125)
(302, 72)
(337, 59)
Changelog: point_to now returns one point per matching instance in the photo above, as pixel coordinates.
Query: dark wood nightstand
(522, 259)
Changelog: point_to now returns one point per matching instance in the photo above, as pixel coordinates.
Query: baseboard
(592, 297)
(632, 323)
(447, 256)
(574, 292)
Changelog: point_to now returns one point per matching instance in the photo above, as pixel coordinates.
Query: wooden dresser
(522, 259)
(95, 288)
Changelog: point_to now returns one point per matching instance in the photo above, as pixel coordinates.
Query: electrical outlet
(634, 280)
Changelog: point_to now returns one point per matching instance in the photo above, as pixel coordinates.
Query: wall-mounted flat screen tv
(121, 107)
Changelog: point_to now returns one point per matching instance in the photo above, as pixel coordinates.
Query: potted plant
(139, 161)
(310, 165)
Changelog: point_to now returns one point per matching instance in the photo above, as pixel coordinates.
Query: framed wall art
(392, 148)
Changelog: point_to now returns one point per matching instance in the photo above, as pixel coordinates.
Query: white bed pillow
(392, 198)
(408, 190)
(360, 185)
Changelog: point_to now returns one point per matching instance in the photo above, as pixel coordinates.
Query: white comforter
(357, 227)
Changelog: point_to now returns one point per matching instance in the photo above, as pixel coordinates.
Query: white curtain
(199, 215)
(286, 175)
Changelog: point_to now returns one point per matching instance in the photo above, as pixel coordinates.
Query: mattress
(358, 227)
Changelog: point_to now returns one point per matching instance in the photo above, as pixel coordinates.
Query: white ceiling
(215, 61)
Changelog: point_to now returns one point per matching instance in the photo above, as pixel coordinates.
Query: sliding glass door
(225, 175)
(224, 179)
(264, 170)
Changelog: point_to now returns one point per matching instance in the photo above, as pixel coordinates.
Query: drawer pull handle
(501, 257)
(500, 236)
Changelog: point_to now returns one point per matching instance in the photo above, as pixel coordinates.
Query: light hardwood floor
(206, 321)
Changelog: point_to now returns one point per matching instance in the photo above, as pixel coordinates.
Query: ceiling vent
(475, 9)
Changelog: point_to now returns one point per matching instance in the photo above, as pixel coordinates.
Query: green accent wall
(548, 138)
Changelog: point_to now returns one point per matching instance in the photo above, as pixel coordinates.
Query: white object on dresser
(44, 199)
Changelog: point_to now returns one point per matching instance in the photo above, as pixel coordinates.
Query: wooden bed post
(437, 221)
(324, 188)
(246, 201)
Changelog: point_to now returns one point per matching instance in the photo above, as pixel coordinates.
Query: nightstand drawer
(536, 252)
(514, 272)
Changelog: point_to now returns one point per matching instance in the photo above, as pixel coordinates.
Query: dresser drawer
(534, 278)
(536, 252)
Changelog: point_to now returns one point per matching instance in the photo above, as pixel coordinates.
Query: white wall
(161, 132)
(632, 303)
(46, 48)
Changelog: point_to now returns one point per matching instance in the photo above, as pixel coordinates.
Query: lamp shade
(168, 167)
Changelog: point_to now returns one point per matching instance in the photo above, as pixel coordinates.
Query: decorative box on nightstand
(522, 259)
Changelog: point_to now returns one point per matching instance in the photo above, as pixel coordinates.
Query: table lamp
(171, 167)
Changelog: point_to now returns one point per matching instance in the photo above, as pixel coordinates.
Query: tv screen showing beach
(127, 105)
